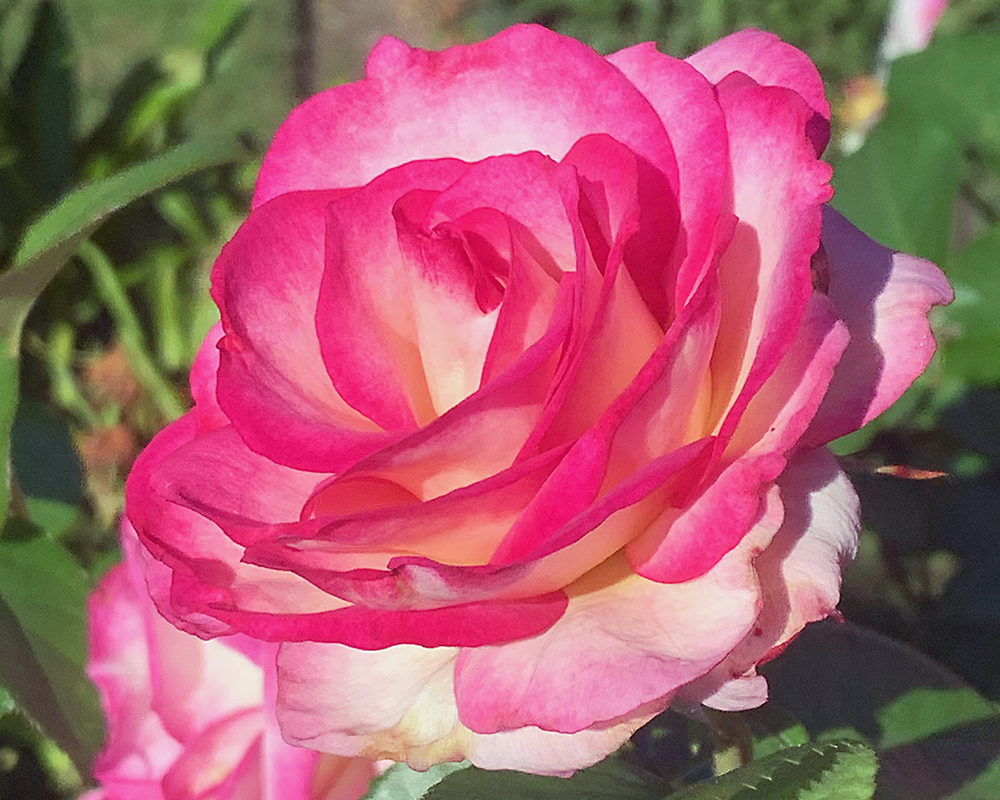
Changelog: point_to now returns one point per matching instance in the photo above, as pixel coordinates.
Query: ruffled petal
(800, 573)
(884, 297)
(623, 642)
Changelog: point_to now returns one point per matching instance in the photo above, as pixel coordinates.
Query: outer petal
(138, 750)
(203, 379)
(623, 642)
(771, 62)
(324, 703)
(884, 297)
(524, 89)
(198, 565)
(799, 573)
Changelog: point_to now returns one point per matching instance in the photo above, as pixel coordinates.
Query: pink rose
(514, 431)
(187, 719)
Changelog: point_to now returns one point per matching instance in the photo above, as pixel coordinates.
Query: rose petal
(524, 89)
(799, 572)
(323, 703)
(884, 298)
(272, 382)
(765, 282)
(204, 374)
(696, 125)
(770, 62)
(623, 642)
(226, 754)
(137, 749)
(771, 425)
(366, 312)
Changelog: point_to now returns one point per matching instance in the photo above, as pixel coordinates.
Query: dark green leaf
(880, 190)
(8, 405)
(834, 770)
(924, 712)
(48, 471)
(399, 782)
(834, 676)
(43, 595)
(610, 779)
(44, 90)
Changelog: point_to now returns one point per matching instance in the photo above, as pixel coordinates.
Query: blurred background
(89, 88)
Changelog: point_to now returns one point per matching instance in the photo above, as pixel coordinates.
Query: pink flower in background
(512, 431)
(186, 718)
(910, 26)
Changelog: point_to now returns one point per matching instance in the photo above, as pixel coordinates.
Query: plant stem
(110, 290)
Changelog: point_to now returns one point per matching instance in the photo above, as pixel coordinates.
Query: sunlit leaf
(52, 239)
(834, 770)
(44, 89)
(955, 83)
(879, 189)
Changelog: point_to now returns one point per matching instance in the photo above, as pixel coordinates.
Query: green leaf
(773, 730)
(48, 471)
(79, 212)
(879, 189)
(7, 703)
(44, 90)
(218, 23)
(43, 595)
(956, 84)
(399, 782)
(8, 405)
(610, 779)
(834, 770)
(53, 238)
(925, 712)
(837, 675)
(971, 327)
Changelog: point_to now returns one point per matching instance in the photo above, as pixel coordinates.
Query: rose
(514, 432)
(187, 718)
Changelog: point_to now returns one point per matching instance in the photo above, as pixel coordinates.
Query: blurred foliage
(113, 203)
(841, 36)
(107, 236)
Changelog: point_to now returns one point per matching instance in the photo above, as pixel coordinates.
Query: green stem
(113, 295)
(165, 289)
(59, 351)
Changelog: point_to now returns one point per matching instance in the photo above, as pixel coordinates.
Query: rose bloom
(512, 431)
(187, 719)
